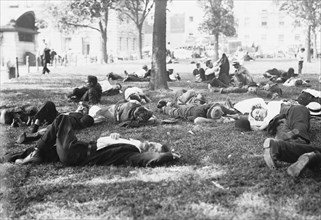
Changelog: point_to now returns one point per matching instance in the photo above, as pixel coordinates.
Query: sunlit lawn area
(221, 174)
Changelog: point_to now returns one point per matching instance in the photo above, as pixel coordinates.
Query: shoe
(275, 96)
(34, 128)
(14, 124)
(22, 138)
(161, 103)
(33, 157)
(296, 169)
(267, 154)
(228, 102)
(221, 91)
(210, 88)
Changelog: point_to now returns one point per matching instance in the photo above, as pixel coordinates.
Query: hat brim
(315, 113)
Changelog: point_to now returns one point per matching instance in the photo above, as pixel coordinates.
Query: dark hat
(243, 124)
(253, 84)
(143, 114)
(86, 121)
(92, 79)
(145, 67)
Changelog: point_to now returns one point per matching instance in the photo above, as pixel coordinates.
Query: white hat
(314, 108)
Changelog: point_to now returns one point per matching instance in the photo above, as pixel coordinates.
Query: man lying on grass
(284, 120)
(59, 143)
(48, 112)
(206, 113)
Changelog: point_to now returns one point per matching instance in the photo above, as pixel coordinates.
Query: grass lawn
(221, 175)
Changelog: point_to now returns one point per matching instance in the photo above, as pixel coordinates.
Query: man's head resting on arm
(258, 113)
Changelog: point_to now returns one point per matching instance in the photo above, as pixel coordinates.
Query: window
(26, 37)
(134, 44)
(263, 37)
(297, 37)
(281, 38)
(120, 43)
(264, 18)
(191, 19)
(281, 20)
(246, 21)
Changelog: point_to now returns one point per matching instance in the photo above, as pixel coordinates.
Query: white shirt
(105, 85)
(245, 106)
(141, 73)
(132, 90)
(300, 56)
(103, 142)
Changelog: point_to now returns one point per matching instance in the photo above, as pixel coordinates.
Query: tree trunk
(158, 70)
(216, 36)
(315, 48)
(308, 44)
(104, 47)
(140, 41)
(103, 32)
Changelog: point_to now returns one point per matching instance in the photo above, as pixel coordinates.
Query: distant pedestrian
(46, 60)
(53, 57)
(300, 57)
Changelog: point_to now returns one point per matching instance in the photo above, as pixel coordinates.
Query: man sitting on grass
(200, 113)
(59, 143)
(91, 92)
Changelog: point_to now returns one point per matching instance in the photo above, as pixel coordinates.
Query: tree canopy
(92, 14)
(137, 11)
(307, 12)
(218, 19)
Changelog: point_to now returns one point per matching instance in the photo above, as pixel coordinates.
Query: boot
(33, 157)
(298, 167)
(34, 128)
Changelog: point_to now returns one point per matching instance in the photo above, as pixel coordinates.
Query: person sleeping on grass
(60, 144)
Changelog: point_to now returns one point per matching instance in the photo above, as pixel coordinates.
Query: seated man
(301, 155)
(90, 93)
(199, 113)
(199, 73)
(222, 78)
(282, 119)
(132, 94)
(210, 70)
(18, 116)
(242, 76)
(108, 89)
(171, 76)
(59, 143)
